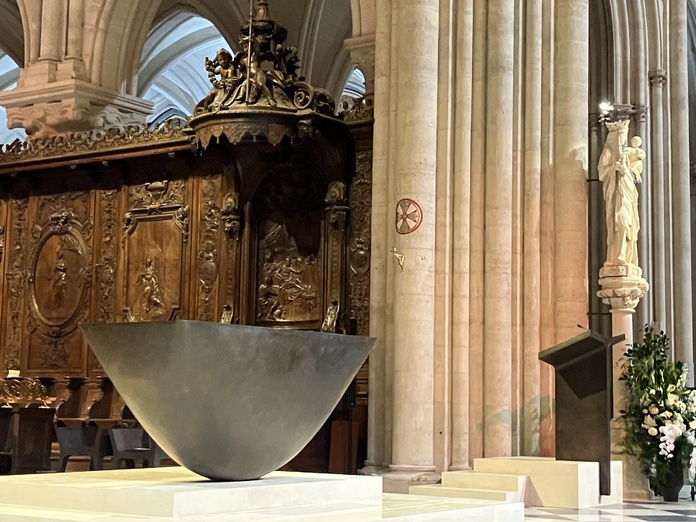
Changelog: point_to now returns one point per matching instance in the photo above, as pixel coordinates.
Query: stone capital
(70, 106)
(657, 77)
(621, 292)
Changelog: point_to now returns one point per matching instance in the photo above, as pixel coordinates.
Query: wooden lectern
(584, 400)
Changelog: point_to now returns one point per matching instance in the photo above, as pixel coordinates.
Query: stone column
(53, 95)
(413, 268)
(547, 244)
(477, 227)
(571, 142)
(532, 243)
(681, 186)
(52, 29)
(657, 180)
(379, 417)
(497, 364)
(461, 380)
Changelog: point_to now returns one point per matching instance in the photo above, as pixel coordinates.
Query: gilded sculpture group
(242, 78)
(620, 169)
(263, 73)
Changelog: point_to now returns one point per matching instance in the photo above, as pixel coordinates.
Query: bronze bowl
(228, 402)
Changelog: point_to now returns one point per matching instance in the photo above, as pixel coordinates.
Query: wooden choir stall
(252, 213)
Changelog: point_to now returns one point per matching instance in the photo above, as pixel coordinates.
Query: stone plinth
(167, 494)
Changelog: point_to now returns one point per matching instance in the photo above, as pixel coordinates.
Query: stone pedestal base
(622, 288)
(167, 494)
(401, 478)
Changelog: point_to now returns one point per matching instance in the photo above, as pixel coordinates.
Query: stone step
(478, 480)
(437, 490)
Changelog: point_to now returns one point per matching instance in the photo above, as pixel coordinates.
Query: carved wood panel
(15, 265)
(288, 246)
(155, 251)
(208, 248)
(3, 228)
(58, 281)
(106, 251)
(359, 247)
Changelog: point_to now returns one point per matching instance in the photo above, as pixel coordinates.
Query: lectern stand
(584, 401)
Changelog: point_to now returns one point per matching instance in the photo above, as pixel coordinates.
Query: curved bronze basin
(228, 402)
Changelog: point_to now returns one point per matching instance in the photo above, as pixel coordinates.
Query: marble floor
(654, 512)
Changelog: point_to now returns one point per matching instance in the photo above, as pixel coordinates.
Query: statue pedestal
(622, 288)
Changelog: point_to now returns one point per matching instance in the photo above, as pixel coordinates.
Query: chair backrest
(127, 438)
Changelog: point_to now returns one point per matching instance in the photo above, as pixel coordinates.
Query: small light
(606, 106)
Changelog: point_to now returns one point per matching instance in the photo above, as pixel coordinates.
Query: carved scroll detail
(15, 283)
(82, 142)
(106, 267)
(360, 212)
(208, 255)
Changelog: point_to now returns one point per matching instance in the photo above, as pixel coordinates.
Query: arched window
(172, 72)
(9, 73)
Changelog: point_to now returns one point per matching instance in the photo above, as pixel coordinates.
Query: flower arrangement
(660, 414)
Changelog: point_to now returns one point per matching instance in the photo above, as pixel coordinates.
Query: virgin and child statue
(620, 170)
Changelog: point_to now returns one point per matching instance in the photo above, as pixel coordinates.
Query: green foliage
(660, 412)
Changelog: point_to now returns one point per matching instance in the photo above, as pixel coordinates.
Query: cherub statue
(227, 68)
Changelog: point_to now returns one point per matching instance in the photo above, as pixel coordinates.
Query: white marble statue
(620, 169)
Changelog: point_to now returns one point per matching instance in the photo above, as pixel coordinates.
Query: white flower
(645, 410)
(653, 410)
(652, 431)
(671, 388)
(692, 425)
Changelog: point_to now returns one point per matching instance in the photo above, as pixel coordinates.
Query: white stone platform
(167, 494)
(539, 482)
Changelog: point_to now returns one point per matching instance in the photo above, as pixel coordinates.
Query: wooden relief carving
(156, 229)
(232, 284)
(58, 278)
(2, 230)
(360, 212)
(15, 280)
(106, 266)
(359, 256)
(336, 209)
(208, 256)
(231, 216)
(290, 273)
(288, 289)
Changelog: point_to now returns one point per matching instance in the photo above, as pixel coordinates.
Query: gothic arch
(12, 33)
(119, 42)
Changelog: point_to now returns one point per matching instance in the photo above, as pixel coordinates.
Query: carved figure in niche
(208, 263)
(620, 169)
(227, 315)
(268, 300)
(329, 324)
(59, 279)
(227, 68)
(152, 300)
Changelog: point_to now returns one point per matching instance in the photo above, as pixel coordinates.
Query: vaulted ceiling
(172, 72)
